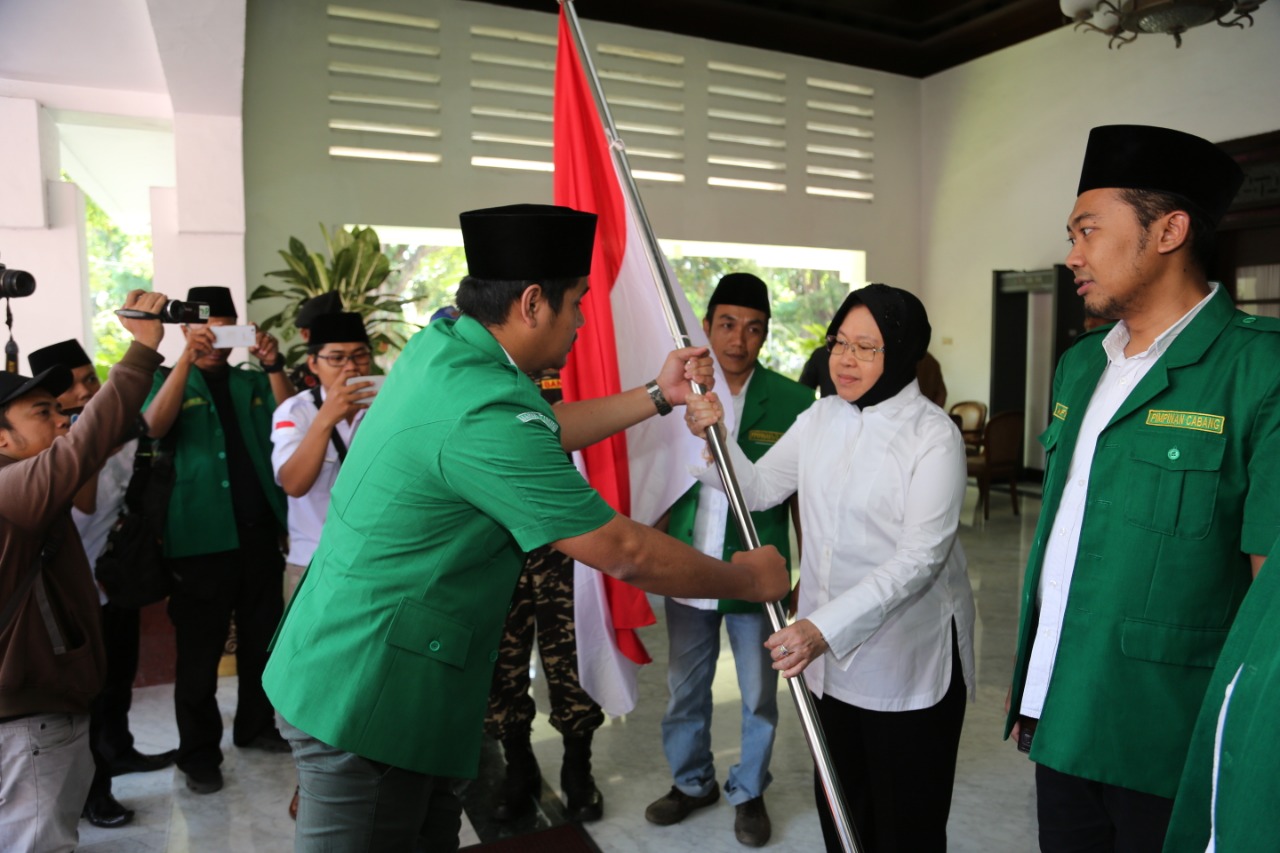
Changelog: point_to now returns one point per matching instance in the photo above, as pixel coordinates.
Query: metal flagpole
(716, 440)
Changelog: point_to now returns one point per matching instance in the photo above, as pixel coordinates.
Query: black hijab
(904, 326)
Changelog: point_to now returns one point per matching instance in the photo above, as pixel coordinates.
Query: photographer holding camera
(222, 534)
(51, 654)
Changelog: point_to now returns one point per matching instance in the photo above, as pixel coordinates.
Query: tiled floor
(992, 811)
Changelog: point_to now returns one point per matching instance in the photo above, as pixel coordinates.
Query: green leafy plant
(359, 270)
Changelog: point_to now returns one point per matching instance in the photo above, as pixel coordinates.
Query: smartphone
(375, 386)
(229, 337)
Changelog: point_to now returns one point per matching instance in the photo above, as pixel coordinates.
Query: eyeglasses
(861, 351)
(339, 359)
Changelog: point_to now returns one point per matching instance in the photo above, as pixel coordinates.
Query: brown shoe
(676, 805)
(751, 825)
(293, 805)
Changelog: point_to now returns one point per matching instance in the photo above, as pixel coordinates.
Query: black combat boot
(584, 802)
(523, 782)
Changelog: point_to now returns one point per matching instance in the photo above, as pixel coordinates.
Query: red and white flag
(643, 471)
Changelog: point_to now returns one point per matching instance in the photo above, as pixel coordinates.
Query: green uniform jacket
(201, 517)
(1185, 482)
(1248, 796)
(388, 647)
(772, 405)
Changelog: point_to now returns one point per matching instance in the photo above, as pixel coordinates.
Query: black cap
(325, 303)
(526, 242)
(741, 288)
(344, 328)
(217, 298)
(67, 353)
(55, 380)
(1133, 156)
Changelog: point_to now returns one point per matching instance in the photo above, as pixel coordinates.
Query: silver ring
(785, 651)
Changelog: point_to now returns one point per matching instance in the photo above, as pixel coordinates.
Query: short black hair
(1150, 205)
(488, 301)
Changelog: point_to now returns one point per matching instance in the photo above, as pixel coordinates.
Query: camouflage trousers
(543, 598)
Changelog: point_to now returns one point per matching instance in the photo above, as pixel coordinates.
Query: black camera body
(16, 283)
(177, 311)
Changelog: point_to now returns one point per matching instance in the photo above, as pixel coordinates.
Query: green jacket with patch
(201, 518)
(773, 403)
(1184, 485)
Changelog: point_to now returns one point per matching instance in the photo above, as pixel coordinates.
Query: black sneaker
(676, 805)
(137, 762)
(204, 780)
(751, 825)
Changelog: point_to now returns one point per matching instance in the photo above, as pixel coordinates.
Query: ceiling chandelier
(1125, 20)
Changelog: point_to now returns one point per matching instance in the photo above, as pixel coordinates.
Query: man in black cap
(52, 662)
(1162, 494)
(766, 404)
(460, 470)
(95, 510)
(301, 377)
(222, 533)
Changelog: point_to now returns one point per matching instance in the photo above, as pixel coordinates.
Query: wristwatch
(275, 367)
(659, 399)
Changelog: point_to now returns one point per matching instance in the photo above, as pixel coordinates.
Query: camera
(16, 283)
(174, 311)
(177, 311)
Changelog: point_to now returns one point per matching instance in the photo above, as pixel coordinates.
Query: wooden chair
(1000, 458)
(973, 420)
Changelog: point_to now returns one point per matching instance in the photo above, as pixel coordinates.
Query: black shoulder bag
(132, 569)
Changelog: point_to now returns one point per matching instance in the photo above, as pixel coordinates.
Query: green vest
(773, 403)
(1185, 482)
(201, 518)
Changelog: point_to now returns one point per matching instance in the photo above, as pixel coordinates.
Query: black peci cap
(217, 298)
(740, 288)
(526, 242)
(69, 354)
(1133, 156)
(55, 380)
(325, 303)
(344, 328)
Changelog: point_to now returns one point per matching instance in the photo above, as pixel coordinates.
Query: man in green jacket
(383, 663)
(222, 535)
(766, 404)
(1162, 491)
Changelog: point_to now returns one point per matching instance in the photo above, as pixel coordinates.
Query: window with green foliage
(803, 300)
(118, 263)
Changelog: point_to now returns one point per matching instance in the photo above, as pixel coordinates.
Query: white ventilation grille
(384, 84)
(734, 126)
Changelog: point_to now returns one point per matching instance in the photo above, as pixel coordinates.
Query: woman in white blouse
(885, 634)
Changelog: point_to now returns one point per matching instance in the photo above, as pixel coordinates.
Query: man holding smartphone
(222, 536)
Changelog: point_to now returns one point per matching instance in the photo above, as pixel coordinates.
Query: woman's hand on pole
(795, 647)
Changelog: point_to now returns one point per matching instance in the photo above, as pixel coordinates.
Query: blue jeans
(694, 637)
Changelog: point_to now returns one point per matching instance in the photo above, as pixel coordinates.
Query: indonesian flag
(641, 472)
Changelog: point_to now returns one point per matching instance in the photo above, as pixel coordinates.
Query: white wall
(1003, 138)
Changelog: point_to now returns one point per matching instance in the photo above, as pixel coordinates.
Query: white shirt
(1118, 379)
(882, 573)
(289, 425)
(713, 509)
(113, 482)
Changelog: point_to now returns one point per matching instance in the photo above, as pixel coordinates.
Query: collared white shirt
(113, 482)
(882, 573)
(289, 425)
(1117, 381)
(713, 508)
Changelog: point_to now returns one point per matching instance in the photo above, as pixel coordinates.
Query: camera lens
(16, 283)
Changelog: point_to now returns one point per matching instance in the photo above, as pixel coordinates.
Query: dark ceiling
(912, 37)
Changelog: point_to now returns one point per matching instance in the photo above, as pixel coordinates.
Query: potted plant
(357, 268)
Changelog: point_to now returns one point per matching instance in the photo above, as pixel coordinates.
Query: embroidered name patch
(194, 401)
(764, 436)
(538, 416)
(1186, 420)
(1060, 411)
